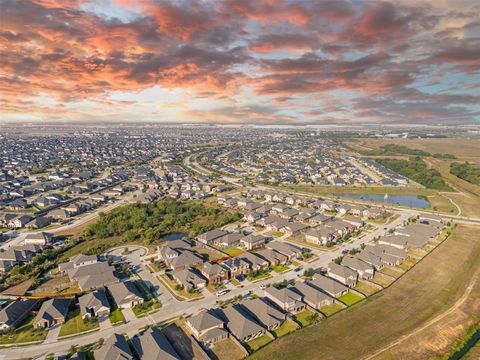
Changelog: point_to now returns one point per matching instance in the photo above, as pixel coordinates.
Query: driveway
(52, 334)
(129, 315)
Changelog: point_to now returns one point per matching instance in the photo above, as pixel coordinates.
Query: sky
(240, 61)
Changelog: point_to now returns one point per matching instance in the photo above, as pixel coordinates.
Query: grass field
(280, 268)
(233, 251)
(382, 279)
(304, 318)
(392, 271)
(431, 288)
(24, 333)
(226, 350)
(365, 288)
(257, 343)
(75, 324)
(350, 298)
(116, 317)
(286, 328)
(329, 310)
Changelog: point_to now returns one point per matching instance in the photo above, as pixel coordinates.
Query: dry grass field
(431, 288)
(465, 149)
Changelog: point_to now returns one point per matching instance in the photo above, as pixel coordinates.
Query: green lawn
(294, 263)
(233, 251)
(304, 318)
(280, 268)
(257, 343)
(117, 317)
(329, 310)
(350, 298)
(24, 333)
(286, 328)
(258, 276)
(147, 306)
(214, 288)
(75, 324)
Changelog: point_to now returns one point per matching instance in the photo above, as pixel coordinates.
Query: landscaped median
(25, 333)
(76, 325)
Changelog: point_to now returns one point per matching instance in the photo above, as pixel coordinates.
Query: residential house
(210, 236)
(153, 344)
(371, 258)
(240, 324)
(321, 236)
(364, 270)
(343, 274)
(229, 240)
(206, 327)
(252, 242)
(294, 228)
(237, 266)
(264, 313)
(94, 304)
(77, 261)
(287, 299)
(13, 315)
(115, 347)
(273, 257)
(398, 241)
(189, 279)
(41, 239)
(287, 249)
(93, 276)
(312, 296)
(214, 273)
(256, 262)
(52, 312)
(328, 285)
(39, 222)
(125, 294)
(184, 260)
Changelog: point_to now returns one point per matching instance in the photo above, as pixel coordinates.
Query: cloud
(268, 58)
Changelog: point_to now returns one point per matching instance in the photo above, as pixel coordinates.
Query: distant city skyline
(240, 61)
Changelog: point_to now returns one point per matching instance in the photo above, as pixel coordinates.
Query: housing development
(183, 242)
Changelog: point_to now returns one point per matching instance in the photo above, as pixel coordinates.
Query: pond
(405, 200)
(174, 236)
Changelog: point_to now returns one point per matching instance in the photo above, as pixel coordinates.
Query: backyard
(286, 328)
(350, 298)
(329, 310)
(304, 318)
(255, 344)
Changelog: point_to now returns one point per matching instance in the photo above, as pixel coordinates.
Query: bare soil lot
(433, 287)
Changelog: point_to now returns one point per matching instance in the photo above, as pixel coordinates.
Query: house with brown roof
(241, 325)
(153, 344)
(312, 296)
(214, 273)
(52, 312)
(252, 242)
(264, 313)
(206, 327)
(125, 294)
(364, 270)
(343, 274)
(329, 286)
(287, 299)
(273, 257)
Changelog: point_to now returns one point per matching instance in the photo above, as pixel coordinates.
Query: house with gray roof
(241, 325)
(237, 266)
(287, 299)
(312, 296)
(93, 276)
(256, 262)
(370, 258)
(273, 257)
(232, 239)
(364, 270)
(94, 304)
(398, 241)
(252, 242)
(114, 348)
(15, 313)
(214, 273)
(264, 313)
(206, 327)
(189, 279)
(184, 260)
(343, 274)
(287, 249)
(389, 255)
(125, 294)
(52, 312)
(210, 236)
(153, 345)
(329, 286)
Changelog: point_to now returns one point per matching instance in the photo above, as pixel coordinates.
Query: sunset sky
(235, 61)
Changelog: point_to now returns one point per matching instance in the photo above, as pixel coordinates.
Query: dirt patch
(183, 344)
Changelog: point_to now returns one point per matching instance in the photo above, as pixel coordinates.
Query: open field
(430, 289)
(226, 350)
(466, 149)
